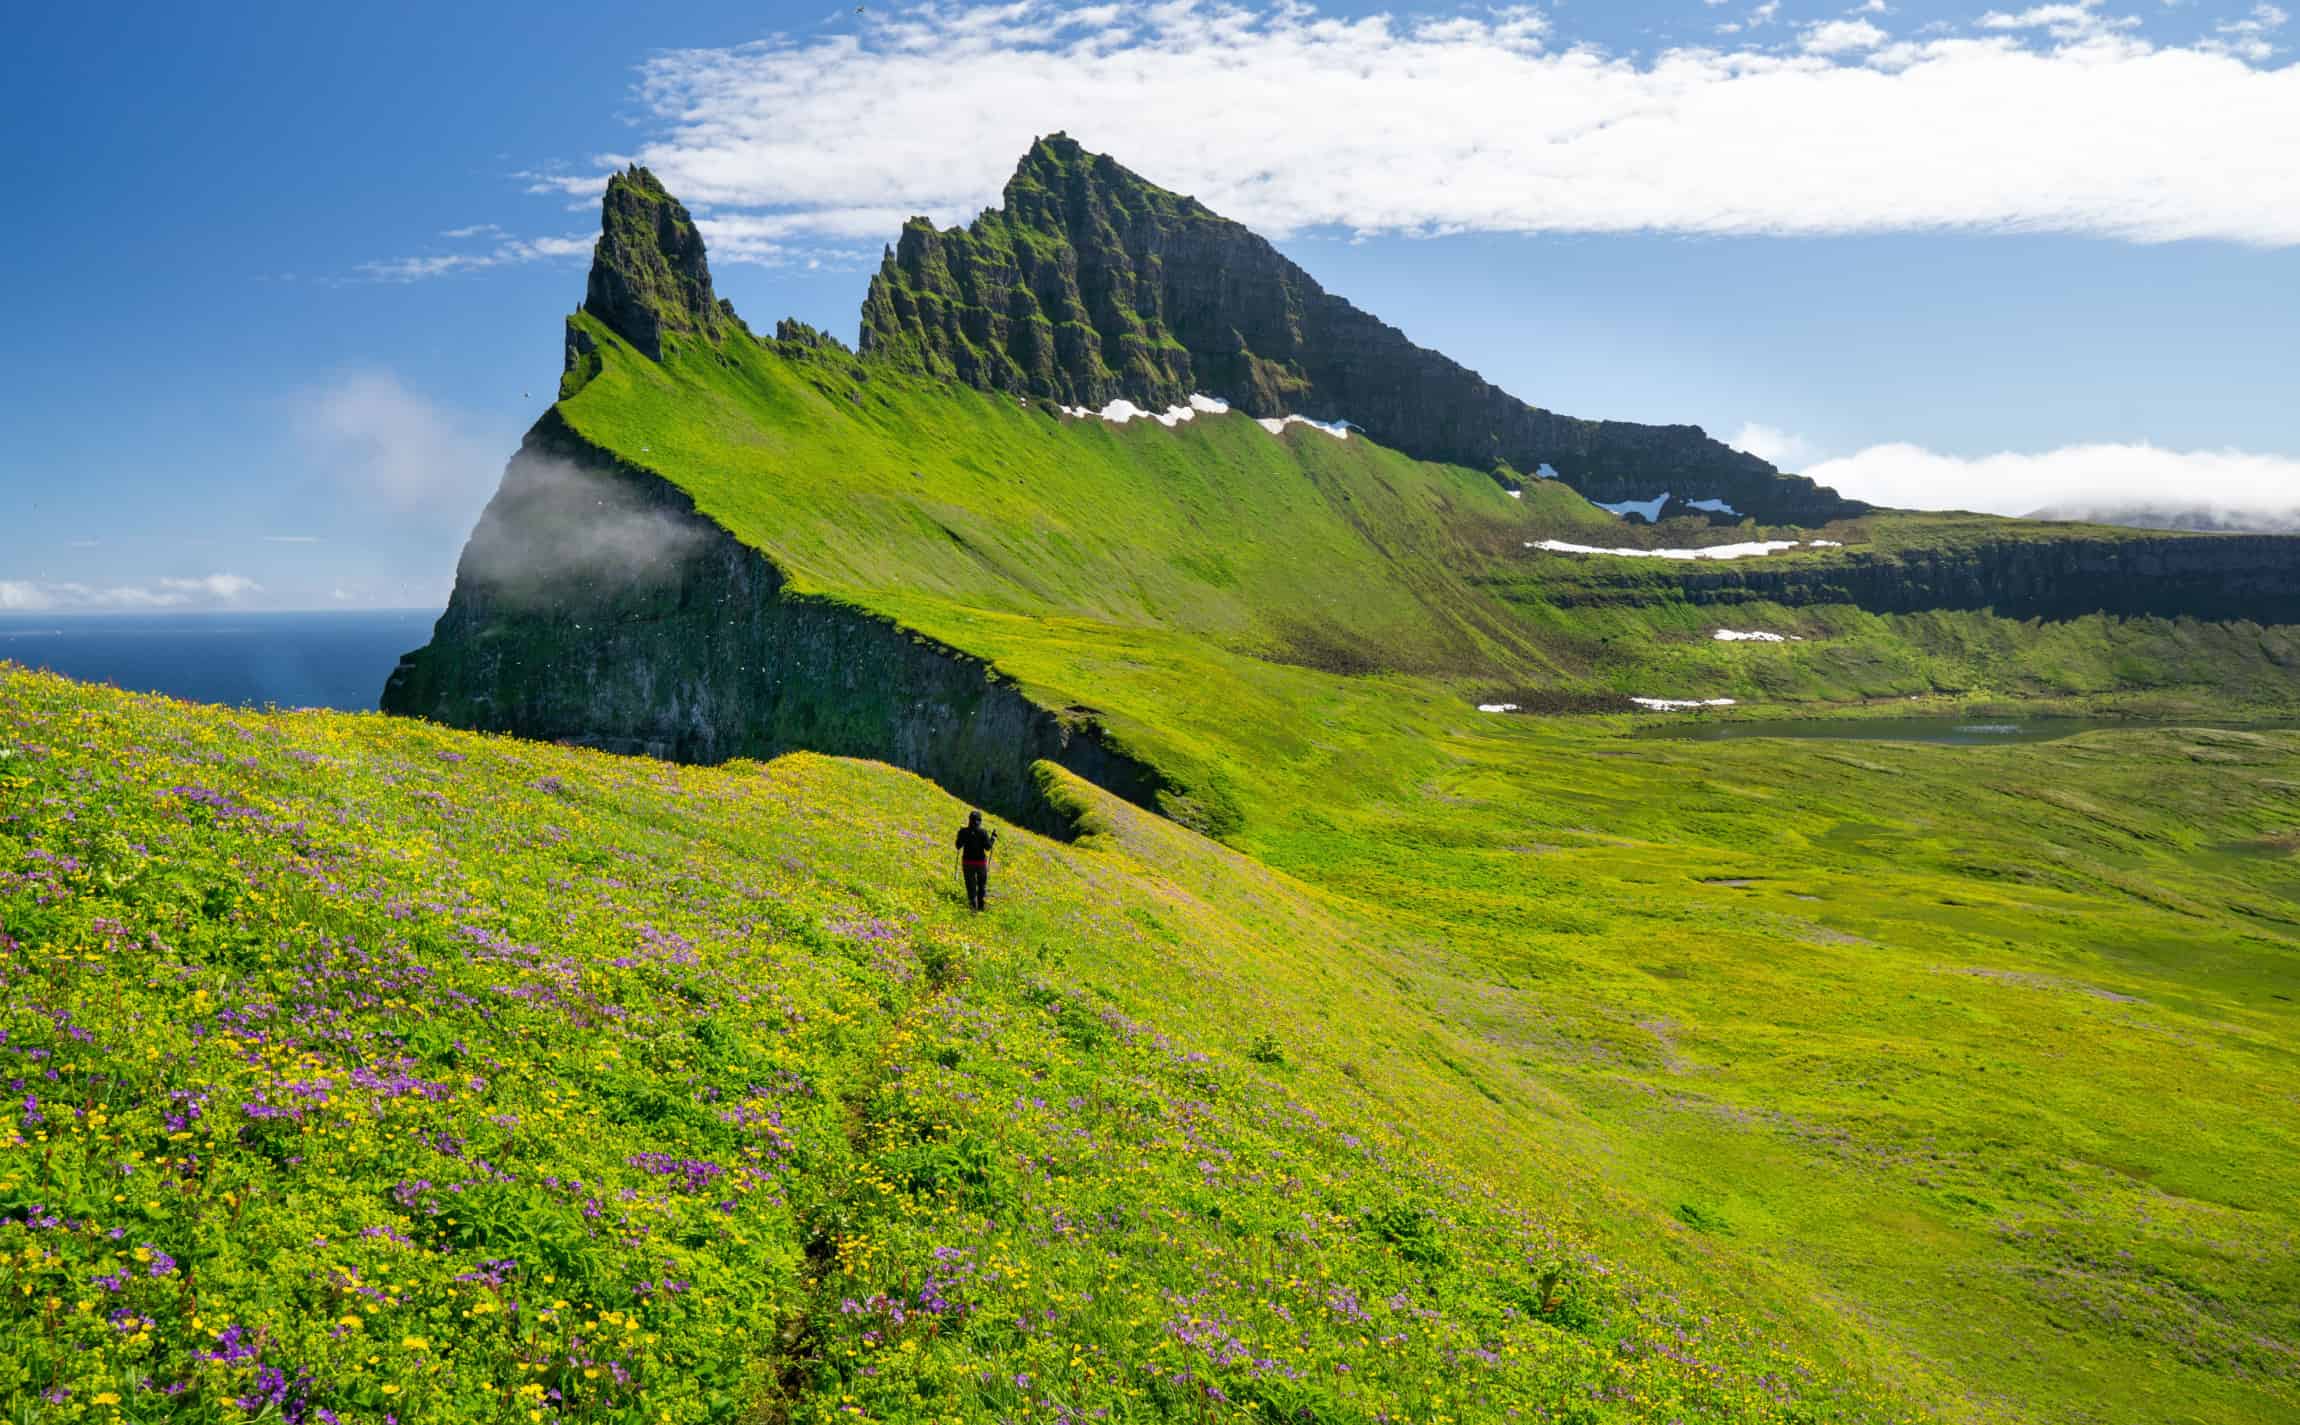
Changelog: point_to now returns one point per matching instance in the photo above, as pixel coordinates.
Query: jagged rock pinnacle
(648, 273)
(1090, 283)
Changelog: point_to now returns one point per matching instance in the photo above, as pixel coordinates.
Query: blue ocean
(294, 660)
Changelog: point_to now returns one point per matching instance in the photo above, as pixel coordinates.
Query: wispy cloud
(2081, 20)
(213, 586)
(291, 539)
(205, 591)
(506, 252)
(2248, 38)
(2054, 117)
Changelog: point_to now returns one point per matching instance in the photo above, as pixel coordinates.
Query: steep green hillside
(361, 1070)
(861, 478)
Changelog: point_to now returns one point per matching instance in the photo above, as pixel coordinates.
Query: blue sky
(285, 283)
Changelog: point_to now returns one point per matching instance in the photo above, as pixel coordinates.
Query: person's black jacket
(974, 843)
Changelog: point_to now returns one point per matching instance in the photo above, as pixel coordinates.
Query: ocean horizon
(322, 658)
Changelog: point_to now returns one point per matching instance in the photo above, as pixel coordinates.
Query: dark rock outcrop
(594, 605)
(648, 272)
(790, 331)
(1091, 283)
(2253, 578)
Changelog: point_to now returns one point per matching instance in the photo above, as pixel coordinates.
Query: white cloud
(1841, 37)
(206, 590)
(2078, 476)
(760, 238)
(1771, 443)
(2052, 118)
(370, 432)
(2077, 21)
(214, 586)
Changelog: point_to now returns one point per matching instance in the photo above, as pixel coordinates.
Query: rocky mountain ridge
(1090, 284)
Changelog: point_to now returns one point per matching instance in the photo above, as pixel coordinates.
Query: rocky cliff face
(593, 605)
(1090, 283)
(2253, 578)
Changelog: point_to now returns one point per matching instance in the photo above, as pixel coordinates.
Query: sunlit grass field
(360, 1069)
(357, 1066)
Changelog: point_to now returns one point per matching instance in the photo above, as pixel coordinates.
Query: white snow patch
(1650, 509)
(1339, 430)
(1517, 494)
(1734, 635)
(1827, 543)
(1680, 704)
(1120, 411)
(1715, 507)
(1497, 707)
(1712, 551)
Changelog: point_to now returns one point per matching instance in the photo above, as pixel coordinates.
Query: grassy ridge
(863, 479)
(360, 1069)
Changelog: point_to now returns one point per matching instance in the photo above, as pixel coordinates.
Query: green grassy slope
(1985, 1051)
(950, 507)
(1844, 1082)
(359, 1067)
(863, 479)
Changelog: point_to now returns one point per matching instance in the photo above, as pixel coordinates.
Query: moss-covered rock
(648, 273)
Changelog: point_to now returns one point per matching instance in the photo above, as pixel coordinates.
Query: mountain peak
(1089, 283)
(649, 275)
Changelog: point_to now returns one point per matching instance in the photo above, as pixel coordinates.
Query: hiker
(974, 845)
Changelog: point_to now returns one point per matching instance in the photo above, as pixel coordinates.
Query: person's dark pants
(977, 884)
